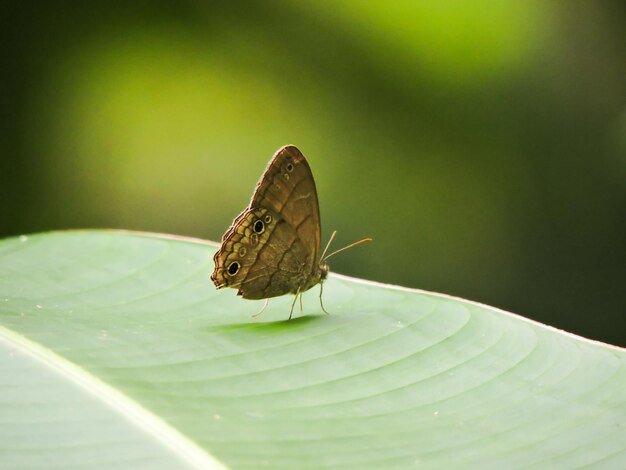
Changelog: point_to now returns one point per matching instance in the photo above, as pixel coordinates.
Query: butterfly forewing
(288, 188)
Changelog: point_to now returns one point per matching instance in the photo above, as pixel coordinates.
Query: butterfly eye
(259, 226)
(268, 219)
(233, 268)
(289, 167)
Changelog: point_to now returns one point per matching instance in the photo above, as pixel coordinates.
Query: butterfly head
(323, 271)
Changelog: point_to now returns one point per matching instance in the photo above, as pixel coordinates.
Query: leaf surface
(116, 349)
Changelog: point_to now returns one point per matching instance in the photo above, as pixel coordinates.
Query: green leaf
(116, 350)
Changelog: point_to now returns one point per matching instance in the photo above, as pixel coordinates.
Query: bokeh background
(481, 144)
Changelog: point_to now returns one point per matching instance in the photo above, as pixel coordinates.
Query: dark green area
(482, 147)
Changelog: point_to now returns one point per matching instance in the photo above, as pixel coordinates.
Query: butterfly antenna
(368, 239)
(328, 245)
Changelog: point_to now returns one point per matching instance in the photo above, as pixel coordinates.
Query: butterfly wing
(287, 187)
(273, 246)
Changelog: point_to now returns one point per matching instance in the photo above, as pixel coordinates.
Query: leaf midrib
(143, 419)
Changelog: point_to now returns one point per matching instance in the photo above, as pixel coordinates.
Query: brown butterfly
(272, 248)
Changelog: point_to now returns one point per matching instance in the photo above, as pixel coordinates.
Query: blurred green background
(481, 144)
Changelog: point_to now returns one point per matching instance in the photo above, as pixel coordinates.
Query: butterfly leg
(267, 301)
(322, 303)
(294, 303)
(300, 303)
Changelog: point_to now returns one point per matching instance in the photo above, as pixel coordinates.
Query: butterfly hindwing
(239, 249)
(279, 267)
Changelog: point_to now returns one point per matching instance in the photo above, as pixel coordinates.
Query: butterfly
(273, 247)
